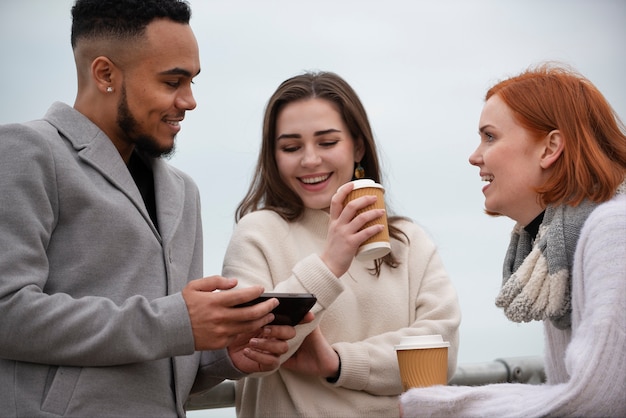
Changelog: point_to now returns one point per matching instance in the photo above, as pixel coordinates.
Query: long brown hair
(593, 162)
(267, 189)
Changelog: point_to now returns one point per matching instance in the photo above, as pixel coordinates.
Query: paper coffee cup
(377, 246)
(423, 361)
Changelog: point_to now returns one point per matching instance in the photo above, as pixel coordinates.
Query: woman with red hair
(554, 155)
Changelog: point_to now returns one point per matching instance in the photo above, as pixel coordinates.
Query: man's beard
(143, 143)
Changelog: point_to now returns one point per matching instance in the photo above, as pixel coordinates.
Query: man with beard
(103, 305)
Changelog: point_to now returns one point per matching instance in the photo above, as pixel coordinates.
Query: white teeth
(487, 178)
(173, 122)
(313, 180)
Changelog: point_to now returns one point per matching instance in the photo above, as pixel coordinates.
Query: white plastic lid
(362, 183)
(373, 250)
(421, 341)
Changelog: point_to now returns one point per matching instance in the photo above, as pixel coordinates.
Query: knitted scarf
(537, 275)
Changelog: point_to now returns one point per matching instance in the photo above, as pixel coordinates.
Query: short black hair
(122, 18)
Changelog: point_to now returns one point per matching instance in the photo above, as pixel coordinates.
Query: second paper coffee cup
(377, 246)
(423, 361)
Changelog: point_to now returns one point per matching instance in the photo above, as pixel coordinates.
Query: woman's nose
(310, 157)
(475, 157)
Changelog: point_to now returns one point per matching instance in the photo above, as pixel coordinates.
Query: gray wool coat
(92, 321)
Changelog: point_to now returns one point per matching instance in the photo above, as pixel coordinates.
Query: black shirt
(533, 227)
(142, 174)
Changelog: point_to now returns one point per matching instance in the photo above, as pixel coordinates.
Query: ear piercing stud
(109, 89)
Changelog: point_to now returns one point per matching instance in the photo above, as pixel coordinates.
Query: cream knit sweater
(585, 366)
(361, 315)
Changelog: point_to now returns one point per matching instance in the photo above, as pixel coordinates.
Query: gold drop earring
(359, 171)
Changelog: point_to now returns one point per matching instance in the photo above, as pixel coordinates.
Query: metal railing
(511, 369)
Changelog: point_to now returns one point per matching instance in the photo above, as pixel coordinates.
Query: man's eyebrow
(179, 71)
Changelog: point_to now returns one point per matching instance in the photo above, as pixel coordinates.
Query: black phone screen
(292, 307)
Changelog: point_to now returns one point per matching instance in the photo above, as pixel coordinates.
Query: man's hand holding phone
(219, 320)
(214, 320)
(261, 351)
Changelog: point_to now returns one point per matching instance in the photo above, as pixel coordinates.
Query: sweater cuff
(316, 278)
(355, 366)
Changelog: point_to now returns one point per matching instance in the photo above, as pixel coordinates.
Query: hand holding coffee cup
(423, 361)
(377, 246)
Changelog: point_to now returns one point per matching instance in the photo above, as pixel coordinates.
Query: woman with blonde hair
(554, 155)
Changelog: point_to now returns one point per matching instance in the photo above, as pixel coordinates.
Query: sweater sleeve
(257, 255)
(595, 358)
(371, 364)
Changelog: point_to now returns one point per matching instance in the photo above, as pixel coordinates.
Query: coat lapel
(169, 193)
(97, 150)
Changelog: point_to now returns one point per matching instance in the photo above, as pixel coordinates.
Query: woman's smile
(315, 152)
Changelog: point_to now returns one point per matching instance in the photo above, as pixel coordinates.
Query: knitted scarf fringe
(537, 282)
(531, 294)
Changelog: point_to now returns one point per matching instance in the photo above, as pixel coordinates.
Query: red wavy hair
(593, 162)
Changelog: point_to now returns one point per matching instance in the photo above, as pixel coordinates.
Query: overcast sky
(421, 69)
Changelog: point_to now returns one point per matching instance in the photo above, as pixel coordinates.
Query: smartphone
(292, 307)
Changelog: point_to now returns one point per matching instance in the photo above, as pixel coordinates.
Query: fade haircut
(122, 19)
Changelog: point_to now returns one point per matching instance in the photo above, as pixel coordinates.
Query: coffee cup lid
(421, 341)
(362, 183)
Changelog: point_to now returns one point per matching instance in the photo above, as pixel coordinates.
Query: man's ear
(102, 71)
(553, 148)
